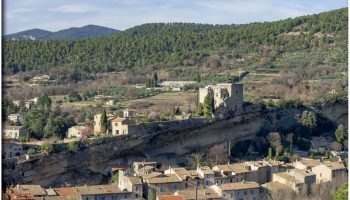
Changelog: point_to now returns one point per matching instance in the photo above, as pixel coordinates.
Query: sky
(54, 15)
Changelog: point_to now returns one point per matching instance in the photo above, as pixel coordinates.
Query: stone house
(227, 95)
(13, 132)
(133, 184)
(97, 123)
(295, 179)
(158, 183)
(121, 126)
(16, 118)
(329, 171)
(77, 131)
(239, 191)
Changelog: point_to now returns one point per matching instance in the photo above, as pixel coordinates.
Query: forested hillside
(184, 44)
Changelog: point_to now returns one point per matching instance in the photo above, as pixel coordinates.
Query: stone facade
(228, 95)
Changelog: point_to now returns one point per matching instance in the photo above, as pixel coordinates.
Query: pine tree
(103, 122)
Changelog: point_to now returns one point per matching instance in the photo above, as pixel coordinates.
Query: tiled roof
(66, 191)
(135, 180)
(37, 190)
(238, 186)
(169, 178)
(309, 162)
(236, 168)
(303, 172)
(207, 170)
(334, 165)
(201, 194)
(171, 197)
(75, 197)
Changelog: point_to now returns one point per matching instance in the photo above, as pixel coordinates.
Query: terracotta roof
(135, 180)
(236, 168)
(334, 165)
(37, 190)
(168, 178)
(303, 172)
(275, 186)
(66, 191)
(171, 197)
(207, 170)
(75, 197)
(309, 162)
(238, 186)
(201, 194)
(119, 119)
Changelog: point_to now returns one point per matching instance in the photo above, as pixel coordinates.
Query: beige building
(13, 132)
(121, 125)
(239, 191)
(228, 95)
(77, 131)
(16, 118)
(158, 183)
(330, 171)
(133, 184)
(295, 179)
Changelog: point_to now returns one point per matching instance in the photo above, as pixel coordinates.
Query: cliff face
(91, 162)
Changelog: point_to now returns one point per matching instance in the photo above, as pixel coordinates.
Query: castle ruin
(227, 95)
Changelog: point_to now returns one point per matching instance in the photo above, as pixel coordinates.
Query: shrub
(73, 146)
(46, 148)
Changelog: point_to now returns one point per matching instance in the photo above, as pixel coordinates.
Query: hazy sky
(55, 15)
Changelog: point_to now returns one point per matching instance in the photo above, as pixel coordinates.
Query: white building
(16, 118)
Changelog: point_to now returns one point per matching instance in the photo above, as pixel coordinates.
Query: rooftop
(304, 172)
(169, 178)
(135, 180)
(287, 176)
(238, 186)
(171, 197)
(309, 162)
(37, 190)
(334, 165)
(202, 194)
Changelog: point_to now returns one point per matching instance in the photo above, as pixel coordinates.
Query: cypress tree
(103, 122)
(208, 105)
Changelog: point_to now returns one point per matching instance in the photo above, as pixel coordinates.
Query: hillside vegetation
(284, 53)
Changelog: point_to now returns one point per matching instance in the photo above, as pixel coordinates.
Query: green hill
(258, 45)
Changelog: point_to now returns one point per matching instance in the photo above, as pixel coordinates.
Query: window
(137, 188)
(245, 192)
(86, 198)
(237, 193)
(137, 195)
(251, 191)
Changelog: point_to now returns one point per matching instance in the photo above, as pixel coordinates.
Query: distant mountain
(32, 34)
(85, 32)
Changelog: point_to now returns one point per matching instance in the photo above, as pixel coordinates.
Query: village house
(43, 78)
(295, 179)
(13, 132)
(175, 85)
(122, 126)
(27, 103)
(227, 95)
(329, 171)
(158, 183)
(77, 131)
(16, 118)
(188, 177)
(238, 191)
(144, 167)
(133, 184)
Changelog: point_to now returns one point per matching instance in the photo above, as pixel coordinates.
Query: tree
(46, 148)
(217, 155)
(342, 193)
(208, 105)
(74, 96)
(270, 153)
(340, 133)
(50, 127)
(155, 79)
(290, 141)
(309, 120)
(199, 111)
(73, 146)
(103, 122)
